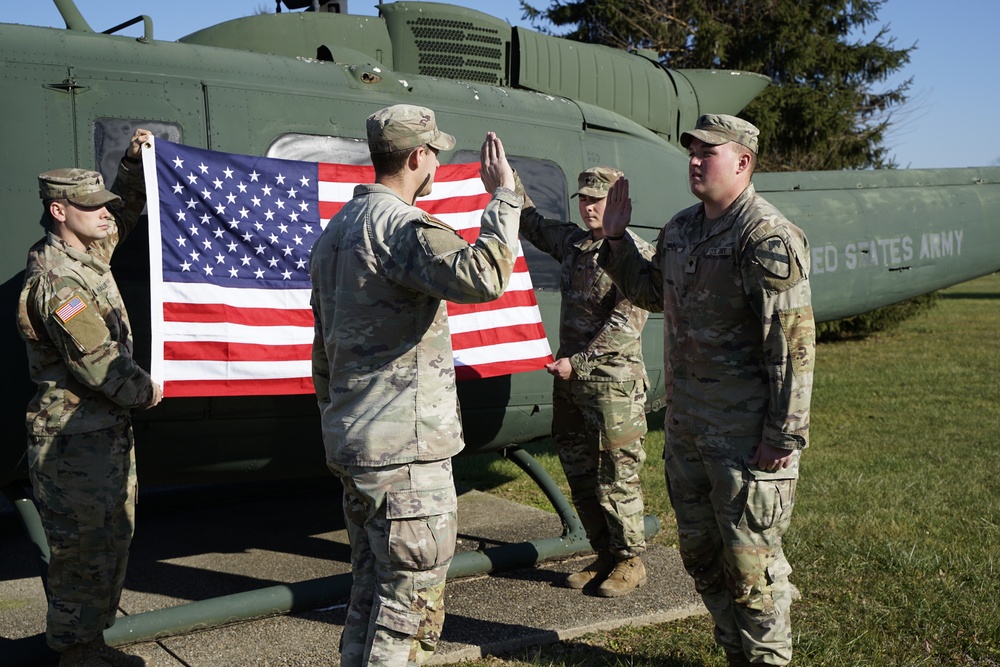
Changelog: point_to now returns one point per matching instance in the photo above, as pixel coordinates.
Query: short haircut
(390, 164)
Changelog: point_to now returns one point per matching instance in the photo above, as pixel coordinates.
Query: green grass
(896, 536)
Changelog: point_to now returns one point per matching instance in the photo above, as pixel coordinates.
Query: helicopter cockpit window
(112, 137)
(547, 186)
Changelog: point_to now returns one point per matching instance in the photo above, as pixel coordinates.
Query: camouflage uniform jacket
(87, 379)
(738, 326)
(600, 330)
(383, 366)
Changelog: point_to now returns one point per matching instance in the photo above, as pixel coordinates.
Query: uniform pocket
(423, 527)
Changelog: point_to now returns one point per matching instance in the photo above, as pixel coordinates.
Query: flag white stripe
(508, 317)
(214, 332)
(236, 370)
(530, 349)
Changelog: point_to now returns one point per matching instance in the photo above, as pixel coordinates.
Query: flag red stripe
(500, 368)
(222, 351)
(509, 299)
(238, 387)
(220, 312)
(497, 336)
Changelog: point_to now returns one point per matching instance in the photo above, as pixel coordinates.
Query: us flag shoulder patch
(70, 309)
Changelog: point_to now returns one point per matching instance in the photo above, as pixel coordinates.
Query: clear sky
(948, 122)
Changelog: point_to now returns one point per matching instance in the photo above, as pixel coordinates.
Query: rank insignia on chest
(70, 309)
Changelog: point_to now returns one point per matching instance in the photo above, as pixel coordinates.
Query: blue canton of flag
(235, 220)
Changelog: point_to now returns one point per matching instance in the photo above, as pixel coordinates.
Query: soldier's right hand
(157, 395)
(494, 169)
(618, 210)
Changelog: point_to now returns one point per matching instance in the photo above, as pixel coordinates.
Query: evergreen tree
(821, 112)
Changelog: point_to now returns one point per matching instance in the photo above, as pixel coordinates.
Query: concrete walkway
(209, 549)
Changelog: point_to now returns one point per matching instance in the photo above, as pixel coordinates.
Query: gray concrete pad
(184, 554)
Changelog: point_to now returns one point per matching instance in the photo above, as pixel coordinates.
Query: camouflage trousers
(599, 429)
(730, 523)
(402, 521)
(85, 485)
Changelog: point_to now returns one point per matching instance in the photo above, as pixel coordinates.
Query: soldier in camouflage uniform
(385, 378)
(80, 455)
(731, 277)
(599, 390)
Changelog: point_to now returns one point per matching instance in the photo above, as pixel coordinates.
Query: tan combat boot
(116, 658)
(81, 655)
(596, 571)
(626, 576)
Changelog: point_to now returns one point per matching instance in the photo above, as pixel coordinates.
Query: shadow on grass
(987, 296)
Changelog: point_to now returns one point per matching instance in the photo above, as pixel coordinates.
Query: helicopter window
(112, 137)
(547, 187)
(312, 148)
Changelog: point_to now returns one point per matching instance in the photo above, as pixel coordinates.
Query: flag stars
(220, 259)
(178, 162)
(230, 198)
(286, 274)
(255, 201)
(273, 238)
(292, 193)
(260, 249)
(266, 190)
(192, 179)
(280, 179)
(181, 241)
(193, 230)
(259, 273)
(217, 183)
(233, 273)
(304, 206)
(208, 269)
(297, 239)
(206, 193)
(244, 213)
(308, 229)
(220, 208)
(247, 237)
(234, 224)
(242, 187)
(228, 172)
(206, 244)
(293, 216)
(282, 227)
(181, 215)
(300, 264)
(254, 176)
(191, 203)
(258, 226)
(304, 181)
(219, 232)
(287, 250)
(232, 246)
(185, 266)
(280, 204)
(245, 260)
(269, 215)
(273, 262)
(203, 168)
(205, 219)
(194, 255)
(177, 188)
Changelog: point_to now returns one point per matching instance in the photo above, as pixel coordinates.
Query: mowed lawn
(896, 535)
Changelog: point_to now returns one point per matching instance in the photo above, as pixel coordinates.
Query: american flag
(229, 272)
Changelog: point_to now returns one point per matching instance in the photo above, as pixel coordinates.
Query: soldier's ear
(57, 209)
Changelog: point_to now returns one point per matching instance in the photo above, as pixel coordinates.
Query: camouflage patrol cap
(596, 181)
(405, 126)
(716, 129)
(80, 186)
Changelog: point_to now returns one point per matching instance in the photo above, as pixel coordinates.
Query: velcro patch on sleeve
(82, 322)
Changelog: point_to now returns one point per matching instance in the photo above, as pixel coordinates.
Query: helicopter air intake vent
(448, 42)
